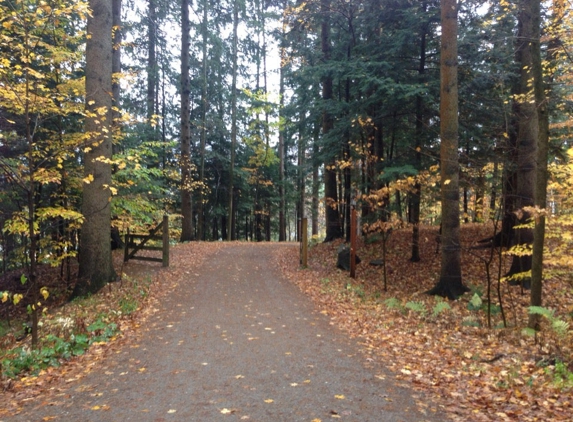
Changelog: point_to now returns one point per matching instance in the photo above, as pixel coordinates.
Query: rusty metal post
(353, 243)
(165, 241)
(304, 240)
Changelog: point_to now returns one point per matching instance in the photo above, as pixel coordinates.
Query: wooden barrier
(304, 243)
(132, 246)
(353, 243)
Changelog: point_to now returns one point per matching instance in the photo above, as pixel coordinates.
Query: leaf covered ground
(118, 312)
(446, 348)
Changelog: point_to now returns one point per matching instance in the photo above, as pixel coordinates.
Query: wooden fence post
(126, 250)
(304, 240)
(165, 241)
(353, 243)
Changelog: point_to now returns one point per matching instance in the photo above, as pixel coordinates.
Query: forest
(240, 118)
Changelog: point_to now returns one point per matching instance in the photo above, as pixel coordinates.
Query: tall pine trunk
(187, 229)
(450, 283)
(542, 153)
(231, 215)
(417, 193)
(333, 224)
(204, 103)
(96, 267)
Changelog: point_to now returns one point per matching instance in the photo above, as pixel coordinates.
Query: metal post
(165, 241)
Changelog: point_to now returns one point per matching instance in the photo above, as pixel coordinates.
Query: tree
(231, 187)
(333, 226)
(187, 231)
(450, 283)
(96, 266)
(541, 175)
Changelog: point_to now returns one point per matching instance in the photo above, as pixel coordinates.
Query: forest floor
(443, 349)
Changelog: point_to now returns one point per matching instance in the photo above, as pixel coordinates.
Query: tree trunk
(231, 219)
(450, 284)
(151, 60)
(416, 194)
(526, 147)
(315, 190)
(542, 153)
(333, 226)
(96, 267)
(187, 229)
(204, 103)
(116, 65)
(281, 146)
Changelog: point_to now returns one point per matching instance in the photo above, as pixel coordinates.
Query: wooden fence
(138, 242)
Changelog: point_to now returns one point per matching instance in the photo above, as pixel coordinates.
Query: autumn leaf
(44, 292)
(269, 400)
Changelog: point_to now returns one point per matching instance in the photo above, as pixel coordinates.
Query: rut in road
(236, 341)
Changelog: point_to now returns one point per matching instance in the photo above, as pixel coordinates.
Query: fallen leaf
(269, 400)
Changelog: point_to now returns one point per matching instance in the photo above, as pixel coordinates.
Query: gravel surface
(235, 342)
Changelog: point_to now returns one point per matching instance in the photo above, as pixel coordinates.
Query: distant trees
(240, 145)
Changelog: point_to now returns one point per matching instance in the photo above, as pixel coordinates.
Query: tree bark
(333, 224)
(450, 283)
(525, 148)
(204, 105)
(116, 64)
(541, 167)
(281, 146)
(417, 193)
(231, 215)
(151, 60)
(187, 229)
(96, 267)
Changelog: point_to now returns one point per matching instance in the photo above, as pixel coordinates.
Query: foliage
(54, 350)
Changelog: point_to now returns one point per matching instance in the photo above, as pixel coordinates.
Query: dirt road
(235, 342)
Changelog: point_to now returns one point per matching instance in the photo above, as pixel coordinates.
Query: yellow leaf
(88, 179)
(269, 400)
(340, 396)
(95, 408)
(225, 411)
(447, 182)
(17, 298)
(171, 411)
(45, 293)
(4, 297)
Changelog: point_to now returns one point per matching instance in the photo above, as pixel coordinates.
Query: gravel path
(236, 342)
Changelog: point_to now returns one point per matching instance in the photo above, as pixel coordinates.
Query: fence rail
(138, 242)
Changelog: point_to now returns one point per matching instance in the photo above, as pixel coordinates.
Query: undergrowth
(71, 329)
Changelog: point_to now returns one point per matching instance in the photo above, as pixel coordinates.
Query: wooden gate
(138, 242)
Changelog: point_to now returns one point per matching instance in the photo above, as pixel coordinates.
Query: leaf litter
(467, 370)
